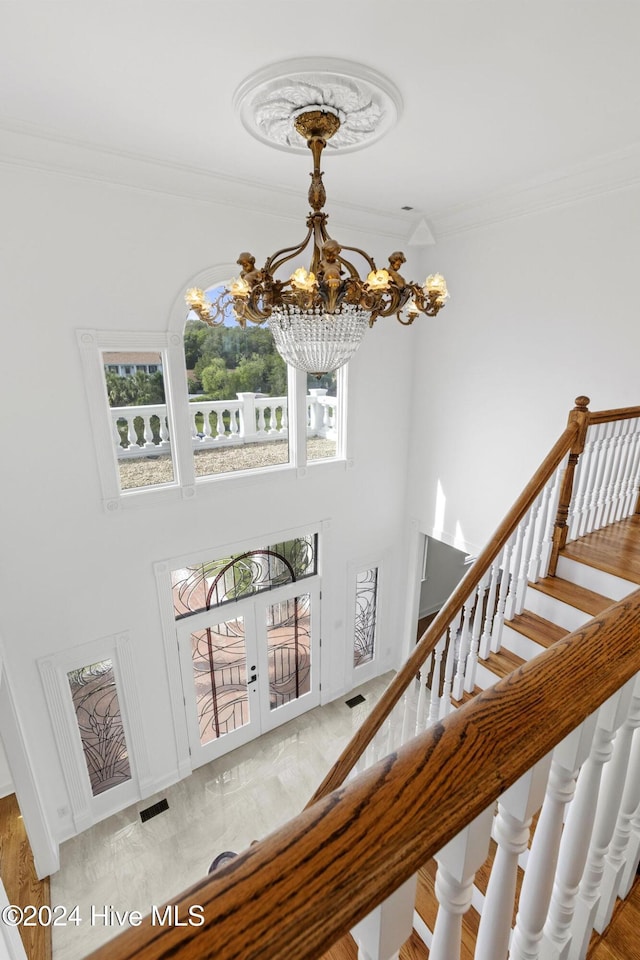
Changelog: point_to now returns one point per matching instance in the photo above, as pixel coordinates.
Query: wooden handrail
(296, 892)
(608, 416)
(363, 737)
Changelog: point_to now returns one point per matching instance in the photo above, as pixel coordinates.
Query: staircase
(593, 573)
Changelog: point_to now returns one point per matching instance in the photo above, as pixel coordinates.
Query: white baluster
(626, 842)
(604, 468)
(627, 741)
(596, 466)
(463, 651)
(609, 478)
(116, 432)
(261, 419)
(485, 640)
(527, 549)
(541, 527)
(434, 706)
(631, 493)
(382, 932)
(510, 606)
(576, 837)
(620, 471)
(458, 862)
(505, 580)
(423, 703)
(605, 821)
(537, 885)
(579, 487)
(511, 833)
(472, 658)
(626, 466)
(445, 700)
(410, 706)
(284, 423)
(164, 429)
(234, 426)
(147, 432)
(547, 538)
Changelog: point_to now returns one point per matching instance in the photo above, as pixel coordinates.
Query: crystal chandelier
(319, 316)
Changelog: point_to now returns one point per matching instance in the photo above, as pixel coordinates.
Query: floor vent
(153, 811)
(355, 701)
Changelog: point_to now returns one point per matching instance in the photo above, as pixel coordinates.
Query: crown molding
(605, 174)
(28, 146)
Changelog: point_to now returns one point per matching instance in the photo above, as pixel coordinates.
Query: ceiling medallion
(318, 306)
(364, 101)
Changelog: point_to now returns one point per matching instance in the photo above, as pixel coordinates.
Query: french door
(249, 666)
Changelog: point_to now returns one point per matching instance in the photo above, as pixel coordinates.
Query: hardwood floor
(621, 940)
(19, 877)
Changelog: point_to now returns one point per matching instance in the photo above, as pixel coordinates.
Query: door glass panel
(365, 620)
(289, 650)
(219, 658)
(95, 701)
(204, 586)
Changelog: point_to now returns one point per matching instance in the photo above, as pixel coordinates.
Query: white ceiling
(500, 98)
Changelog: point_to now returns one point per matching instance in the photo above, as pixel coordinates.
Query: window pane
(210, 584)
(365, 620)
(237, 393)
(139, 419)
(322, 416)
(219, 659)
(289, 650)
(95, 701)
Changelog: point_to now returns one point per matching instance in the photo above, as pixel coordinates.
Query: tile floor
(224, 805)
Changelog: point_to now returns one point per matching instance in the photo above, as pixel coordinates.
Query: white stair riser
(519, 644)
(558, 612)
(484, 677)
(597, 580)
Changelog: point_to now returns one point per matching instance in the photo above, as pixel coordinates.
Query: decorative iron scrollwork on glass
(95, 701)
(205, 586)
(366, 616)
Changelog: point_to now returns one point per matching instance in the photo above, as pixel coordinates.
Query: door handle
(253, 678)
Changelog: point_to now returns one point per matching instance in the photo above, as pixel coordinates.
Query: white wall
(543, 308)
(443, 571)
(83, 254)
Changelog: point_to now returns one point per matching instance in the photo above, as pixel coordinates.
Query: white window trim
(379, 663)
(92, 344)
(170, 345)
(53, 671)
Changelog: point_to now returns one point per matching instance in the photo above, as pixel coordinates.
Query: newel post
(579, 415)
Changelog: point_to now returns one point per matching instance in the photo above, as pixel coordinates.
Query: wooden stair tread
(620, 940)
(466, 696)
(586, 600)
(614, 549)
(503, 663)
(344, 949)
(536, 628)
(414, 949)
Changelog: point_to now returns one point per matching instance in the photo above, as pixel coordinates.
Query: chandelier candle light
(319, 316)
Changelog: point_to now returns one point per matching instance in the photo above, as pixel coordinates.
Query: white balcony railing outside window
(251, 418)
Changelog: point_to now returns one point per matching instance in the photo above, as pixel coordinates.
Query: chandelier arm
(272, 263)
(249, 310)
(365, 256)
